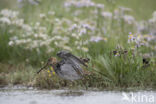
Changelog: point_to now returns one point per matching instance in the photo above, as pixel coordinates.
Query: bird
(69, 68)
(73, 60)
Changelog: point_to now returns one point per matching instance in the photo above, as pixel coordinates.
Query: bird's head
(52, 61)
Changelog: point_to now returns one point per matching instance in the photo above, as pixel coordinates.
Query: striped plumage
(69, 68)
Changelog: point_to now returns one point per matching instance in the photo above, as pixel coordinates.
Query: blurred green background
(142, 9)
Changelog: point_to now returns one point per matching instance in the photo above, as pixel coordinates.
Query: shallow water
(33, 96)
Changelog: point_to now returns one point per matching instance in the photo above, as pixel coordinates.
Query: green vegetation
(115, 38)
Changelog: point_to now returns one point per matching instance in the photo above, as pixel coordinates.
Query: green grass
(19, 65)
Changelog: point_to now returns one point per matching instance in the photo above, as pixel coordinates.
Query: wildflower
(42, 62)
(51, 13)
(117, 54)
(5, 20)
(107, 14)
(85, 42)
(11, 43)
(42, 15)
(27, 60)
(34, 2)
(49, 75)
(89, 27)
(129, 19)
(133, 47)
(100, 6)
(18, 22)
(82, 31)
(9, 13)
(124, 9)
(97, 39)
(105, 39)
(85, 49)
(78, 47)
(131, 38)
(27, 27)
(67, 48)
(19, 1)
(154, 14)
(77, 12)
(80, 3)
(73, 27)
(50, 49)
(56, 43)
(153, 19)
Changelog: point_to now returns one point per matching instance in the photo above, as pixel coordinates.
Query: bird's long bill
(42, 68)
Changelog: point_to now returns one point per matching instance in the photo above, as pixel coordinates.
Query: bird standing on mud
(69, 68)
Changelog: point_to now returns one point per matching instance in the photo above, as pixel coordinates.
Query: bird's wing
(76, 63)
(76, 66)
(67, 55)
(75, 59)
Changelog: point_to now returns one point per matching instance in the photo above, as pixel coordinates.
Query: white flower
(67, 48)
(131, 38)
(89, 27)
(49, 49)
(100, 6)
(43, 36)
(51, 13)
(129, 19)
(9, 13)
(18, 22)
(96, 38)
(11, 43)
(42, 15)
(33, 2)
(82, 31)
(73, 27)
(153, 19)
(81, 3)
(19, 1)
(5, 20)
(57, 37)
(125, 9)
(154, 14)
(27, 27)
(107, 14)
(84, 49)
